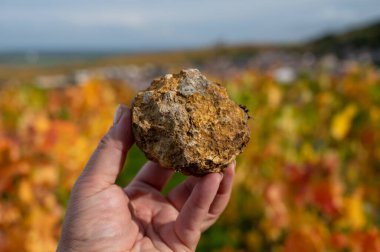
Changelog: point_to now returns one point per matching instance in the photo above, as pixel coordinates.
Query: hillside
(358, 39)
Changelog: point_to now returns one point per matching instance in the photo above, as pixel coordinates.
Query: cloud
(121, 19)
(169, 23)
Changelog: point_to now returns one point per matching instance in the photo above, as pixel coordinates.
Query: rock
(184, 122)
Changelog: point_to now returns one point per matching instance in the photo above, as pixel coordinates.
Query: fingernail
(117, 115)
(120, 110)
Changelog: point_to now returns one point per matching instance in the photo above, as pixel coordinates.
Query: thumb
(108, 159)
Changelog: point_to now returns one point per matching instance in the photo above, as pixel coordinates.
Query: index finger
(188, 225)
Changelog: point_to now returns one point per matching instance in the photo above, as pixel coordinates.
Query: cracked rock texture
(187, 123)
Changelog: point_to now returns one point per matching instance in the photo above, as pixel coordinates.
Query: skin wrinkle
(195, 234)
(171, 202)
(155, 233)
(179, 238)
(139, 224)
(183, 247)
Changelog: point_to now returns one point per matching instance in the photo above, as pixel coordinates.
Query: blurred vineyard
(308, 180)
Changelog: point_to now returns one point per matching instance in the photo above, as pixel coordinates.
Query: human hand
(102, 216)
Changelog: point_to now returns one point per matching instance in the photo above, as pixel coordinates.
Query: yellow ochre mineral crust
(184, 122)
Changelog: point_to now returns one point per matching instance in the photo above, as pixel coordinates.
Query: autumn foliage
(307, 181)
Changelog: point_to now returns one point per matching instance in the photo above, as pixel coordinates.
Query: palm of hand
(143, 221)
(155, 218)
(140, 218)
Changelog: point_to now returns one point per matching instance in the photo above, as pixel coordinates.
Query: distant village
(282, 66)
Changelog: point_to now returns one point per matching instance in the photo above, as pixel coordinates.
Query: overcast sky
(164, 24)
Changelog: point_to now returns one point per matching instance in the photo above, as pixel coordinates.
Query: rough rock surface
(184, 122)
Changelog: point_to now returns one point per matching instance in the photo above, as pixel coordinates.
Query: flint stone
(187, 123)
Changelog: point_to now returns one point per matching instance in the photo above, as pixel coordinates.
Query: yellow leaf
(274, 96)
(308, 152)
(342, 122)
(25, 192)
(45, 175)
(355, 213)
(41, 123)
